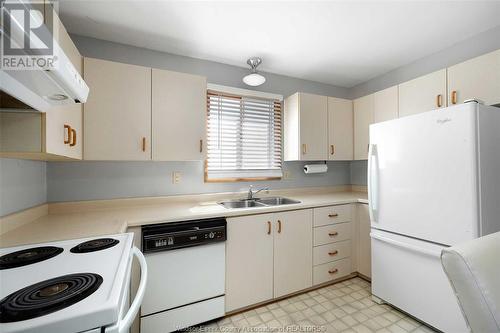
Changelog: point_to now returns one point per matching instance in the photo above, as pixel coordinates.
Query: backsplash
(73, 181)
(23, 184)
(359, 171)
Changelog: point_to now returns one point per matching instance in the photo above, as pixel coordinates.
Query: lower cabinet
(267, 256)
(292, 251)
(364, 241)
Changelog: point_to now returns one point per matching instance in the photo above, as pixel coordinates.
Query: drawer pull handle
(333, 253)
(268, 227)
(333, 215)
(333, 234)
(333, 271)
(143, 143)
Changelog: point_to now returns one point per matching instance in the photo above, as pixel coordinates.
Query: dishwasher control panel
(175, 235)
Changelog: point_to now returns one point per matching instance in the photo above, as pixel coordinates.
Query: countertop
(106, 217)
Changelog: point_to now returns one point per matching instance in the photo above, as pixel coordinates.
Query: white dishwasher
(186, 283)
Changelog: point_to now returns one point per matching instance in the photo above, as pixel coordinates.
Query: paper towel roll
(315, 168)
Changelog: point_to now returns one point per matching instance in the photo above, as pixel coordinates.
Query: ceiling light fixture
(254, 79)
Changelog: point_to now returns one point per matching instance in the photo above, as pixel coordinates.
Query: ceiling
(341, 43)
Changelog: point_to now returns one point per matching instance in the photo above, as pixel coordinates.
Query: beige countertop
(105, 217)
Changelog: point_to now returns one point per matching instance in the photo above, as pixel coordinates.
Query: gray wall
(22, 184)
(359, 172)
(69, 181)
(480, 44)
(215, 72)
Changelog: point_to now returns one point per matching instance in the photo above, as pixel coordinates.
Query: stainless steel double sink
(257, 202)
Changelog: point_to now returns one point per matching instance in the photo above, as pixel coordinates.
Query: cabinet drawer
(332, 233)
(331, 252)
(331, 271)
(332, 214)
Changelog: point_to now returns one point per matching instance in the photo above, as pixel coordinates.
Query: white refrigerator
(433, 181)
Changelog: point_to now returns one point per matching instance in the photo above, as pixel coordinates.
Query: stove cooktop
(68, 291)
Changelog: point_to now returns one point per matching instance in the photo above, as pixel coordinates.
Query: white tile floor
(342, 307)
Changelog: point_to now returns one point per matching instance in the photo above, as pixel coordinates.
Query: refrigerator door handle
(436, 254)
(372, 182)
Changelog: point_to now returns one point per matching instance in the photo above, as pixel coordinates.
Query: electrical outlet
(176, 177)
(287, 174)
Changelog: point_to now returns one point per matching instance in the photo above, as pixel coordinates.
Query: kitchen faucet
(251, 193)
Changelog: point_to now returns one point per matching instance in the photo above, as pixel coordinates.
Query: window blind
(244, 137)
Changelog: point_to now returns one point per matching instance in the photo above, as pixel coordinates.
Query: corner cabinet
(267, 256)
(306, 127)
(363, 118)
(340, 129)
(475, 78)
(423, 94)
(117, 114)
(178, 116)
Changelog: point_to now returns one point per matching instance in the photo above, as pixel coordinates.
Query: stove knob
(211, 235)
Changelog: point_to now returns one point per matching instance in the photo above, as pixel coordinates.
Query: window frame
(241, 93)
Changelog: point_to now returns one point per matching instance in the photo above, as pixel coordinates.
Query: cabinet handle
(439, 100)
(333, 271)
(304, 149)
(201, 146)
(143, 143)
(332, 149)
(279, 227)
(333, 215)
(333, 253)
(268, 227)
(454, 97)
(73, 138)
(333, 234)
(68, 134)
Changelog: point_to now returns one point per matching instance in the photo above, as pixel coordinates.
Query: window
(244, 137)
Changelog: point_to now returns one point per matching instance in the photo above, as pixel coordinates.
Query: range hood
(42, 88)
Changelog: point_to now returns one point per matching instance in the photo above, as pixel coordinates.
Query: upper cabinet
(422, 94)
(305, 124)
(476, 78)
(117, 115)
(363, 118)
(385, 104)
(178, 115)
(340, 129)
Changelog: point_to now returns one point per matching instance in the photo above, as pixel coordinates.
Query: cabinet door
(340, 129)
(385, 104)
(363, 117)
(63, 131)
(117, 115)
(292, 251)
(364, 241)
(475, 78)
(249, 260)
(178, 115)
(313, 127)
(423, 94)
